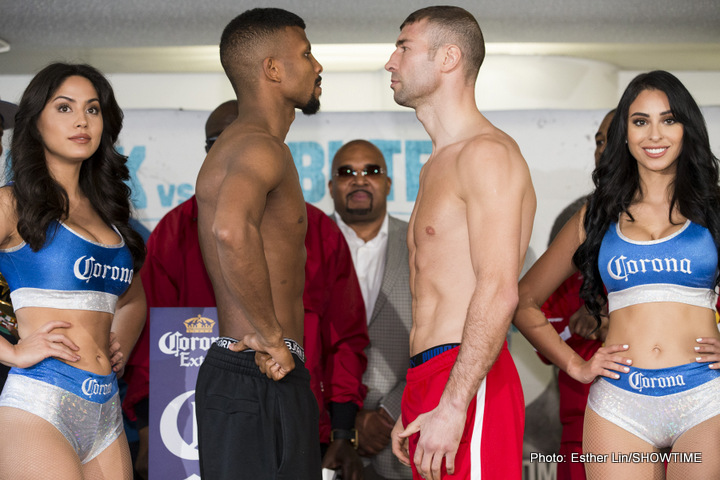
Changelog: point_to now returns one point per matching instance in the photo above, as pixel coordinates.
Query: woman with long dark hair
(646, 244)
(71, 262)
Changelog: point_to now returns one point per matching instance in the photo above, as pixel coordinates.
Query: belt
(291, 344)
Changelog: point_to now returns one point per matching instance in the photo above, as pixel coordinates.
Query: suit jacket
(389, 351)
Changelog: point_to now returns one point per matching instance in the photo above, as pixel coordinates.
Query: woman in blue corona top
(71, 262)
(646, 244)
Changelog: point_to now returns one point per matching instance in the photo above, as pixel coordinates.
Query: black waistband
(423, 357)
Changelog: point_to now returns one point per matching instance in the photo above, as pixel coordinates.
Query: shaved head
(449, 25)
(250, 38)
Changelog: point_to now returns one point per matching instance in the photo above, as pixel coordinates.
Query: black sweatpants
(251, 427)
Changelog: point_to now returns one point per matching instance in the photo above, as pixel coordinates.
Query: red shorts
(491, 444)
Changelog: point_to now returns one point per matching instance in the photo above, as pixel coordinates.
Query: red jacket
(573, 395)
(335, 325)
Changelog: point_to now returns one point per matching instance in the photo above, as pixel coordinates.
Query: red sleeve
(161, 275)
(561, 305)
(345, 335)
(335, 331)
(336, 326)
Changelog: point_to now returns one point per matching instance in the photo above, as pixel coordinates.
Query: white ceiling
(159, 35)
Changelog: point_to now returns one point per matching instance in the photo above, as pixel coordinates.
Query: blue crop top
(68, 272)
(680, 268)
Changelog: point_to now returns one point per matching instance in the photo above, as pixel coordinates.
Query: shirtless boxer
(257, 417)
(463, 408)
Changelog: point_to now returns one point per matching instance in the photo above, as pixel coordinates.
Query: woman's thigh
(32, 447)
(609, 442)
(698, 452)
(113, 463)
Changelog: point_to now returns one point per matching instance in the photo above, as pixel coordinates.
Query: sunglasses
(368, 171)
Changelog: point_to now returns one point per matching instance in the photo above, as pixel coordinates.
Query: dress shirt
(369, 259)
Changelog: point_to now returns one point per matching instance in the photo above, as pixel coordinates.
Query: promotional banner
(167, 147)
(179, 339)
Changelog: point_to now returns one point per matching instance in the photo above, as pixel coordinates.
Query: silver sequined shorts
(83, 406)
(658, 405)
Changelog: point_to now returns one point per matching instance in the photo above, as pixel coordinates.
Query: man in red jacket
(565, 311)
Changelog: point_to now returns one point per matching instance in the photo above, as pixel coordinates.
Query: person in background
(8, 323)
(7, 118)
(335, 332)
(647, 245)
(566, 313)
(336, 338)
(575, 206)
(463, 407)
(71, 261)
(359, 187)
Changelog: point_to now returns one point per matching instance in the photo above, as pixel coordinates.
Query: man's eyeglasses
(368, 171)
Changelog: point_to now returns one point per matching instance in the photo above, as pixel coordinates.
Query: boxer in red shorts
(494, 422)
(467, 239)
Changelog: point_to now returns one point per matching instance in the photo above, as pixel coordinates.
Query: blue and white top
(681, 267)
(68, 272)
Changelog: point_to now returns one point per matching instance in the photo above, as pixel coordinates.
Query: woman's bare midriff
(90, 331)
(661, 334)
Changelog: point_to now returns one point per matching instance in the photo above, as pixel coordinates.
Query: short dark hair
(243, 37)
(457, 26)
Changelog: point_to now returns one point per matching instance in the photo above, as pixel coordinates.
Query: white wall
(506, 82)
(702, 85)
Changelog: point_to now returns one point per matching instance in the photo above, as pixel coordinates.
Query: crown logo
(199, 324)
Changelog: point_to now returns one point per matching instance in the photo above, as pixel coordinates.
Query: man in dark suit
(359, 187)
